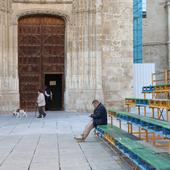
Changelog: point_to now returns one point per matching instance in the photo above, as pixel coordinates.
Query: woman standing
(41, 104)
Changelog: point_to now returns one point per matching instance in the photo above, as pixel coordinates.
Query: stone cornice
(155, 43)
(44, 2)
(20, 13)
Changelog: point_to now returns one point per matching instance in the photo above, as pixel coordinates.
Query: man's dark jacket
(99, 115)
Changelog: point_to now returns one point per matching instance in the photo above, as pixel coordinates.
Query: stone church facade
(156, 34)
(98, 50)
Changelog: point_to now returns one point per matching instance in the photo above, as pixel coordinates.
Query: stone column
(117, 51)
(8, 73)
(4, 11)
(86, 68)
(98, 35)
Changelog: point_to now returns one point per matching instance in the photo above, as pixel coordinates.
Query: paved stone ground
(48, 144)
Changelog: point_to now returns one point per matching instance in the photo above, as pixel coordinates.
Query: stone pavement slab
(48, 144)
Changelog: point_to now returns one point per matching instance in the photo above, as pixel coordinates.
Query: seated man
(99, 117)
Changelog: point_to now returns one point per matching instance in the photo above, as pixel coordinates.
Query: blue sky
(144, 5)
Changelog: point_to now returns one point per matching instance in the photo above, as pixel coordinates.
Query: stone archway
(41, 42)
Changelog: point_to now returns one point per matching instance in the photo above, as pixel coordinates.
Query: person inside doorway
(48, 97)
(99, 117)
(41, 104)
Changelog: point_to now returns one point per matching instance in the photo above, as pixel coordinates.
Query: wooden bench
(159, 104)
(154, 125)
(144, 157)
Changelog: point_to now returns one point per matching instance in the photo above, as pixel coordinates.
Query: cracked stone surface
(48, 144)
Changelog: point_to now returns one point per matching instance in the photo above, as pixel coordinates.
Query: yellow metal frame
(108, 138)
(111, 115)
(130, 102)
(164, 104)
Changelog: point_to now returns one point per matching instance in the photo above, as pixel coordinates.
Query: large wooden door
(40, 52)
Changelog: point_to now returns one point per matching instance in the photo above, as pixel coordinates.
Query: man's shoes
(44, 115)
(79, 139)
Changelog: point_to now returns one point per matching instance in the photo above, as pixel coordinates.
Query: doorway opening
(55, 83)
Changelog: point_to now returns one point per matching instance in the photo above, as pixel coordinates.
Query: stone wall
(117, 46)
(98, 50)
(155, 34)
(102, 49)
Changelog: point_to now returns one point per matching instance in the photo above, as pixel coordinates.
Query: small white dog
(19, 113)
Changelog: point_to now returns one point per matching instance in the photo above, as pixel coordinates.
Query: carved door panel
(40, 51)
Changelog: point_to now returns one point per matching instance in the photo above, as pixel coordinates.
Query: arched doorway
(41, 58)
